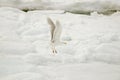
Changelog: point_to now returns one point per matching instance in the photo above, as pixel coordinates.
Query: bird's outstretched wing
(52, 27)
(55, 30)
(55, 33)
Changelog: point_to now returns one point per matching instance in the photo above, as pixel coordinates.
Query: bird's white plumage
(52, 28)
(56, 31)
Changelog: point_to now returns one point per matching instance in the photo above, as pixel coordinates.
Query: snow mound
(25, 51)
(15, 47)
(107, 52)
(76, 6)
(27, 76)
(88, 72)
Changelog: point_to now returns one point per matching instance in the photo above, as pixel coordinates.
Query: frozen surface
(92, 51)
(74, 6)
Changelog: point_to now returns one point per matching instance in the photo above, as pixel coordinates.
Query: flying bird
(55, 30)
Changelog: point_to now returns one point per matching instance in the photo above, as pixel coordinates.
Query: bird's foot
(54, 51)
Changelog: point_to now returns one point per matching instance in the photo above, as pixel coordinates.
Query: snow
(74, 6)
(89, 72)
(92, 51)
(105, 51)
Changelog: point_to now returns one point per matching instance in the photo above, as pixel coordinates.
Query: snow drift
(74, 6)
(92, 50)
